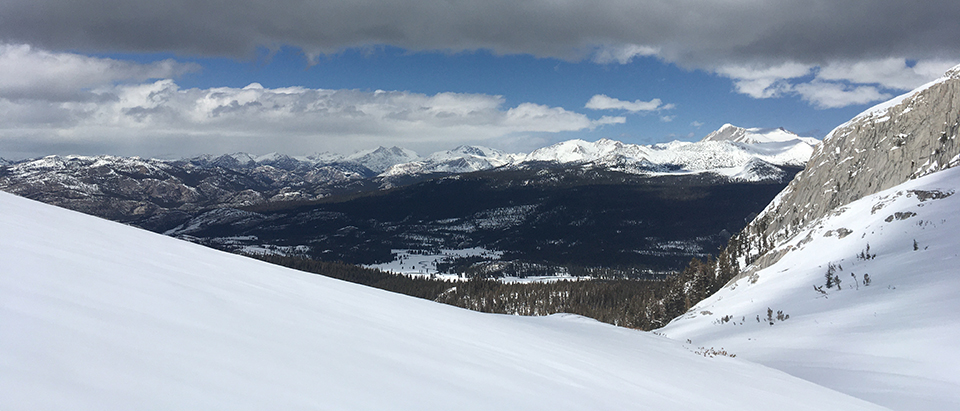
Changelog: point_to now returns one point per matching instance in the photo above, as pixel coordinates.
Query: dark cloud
(700, 33)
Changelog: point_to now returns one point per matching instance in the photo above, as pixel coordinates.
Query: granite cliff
(907, 137)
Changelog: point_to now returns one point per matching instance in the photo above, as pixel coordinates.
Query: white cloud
(891, 73)
(30, 73)
(834, 84)
(535, 117)
(609, 120)
(623, 54)
(603, 102)
(834, 95)
(696, 124)
(764, 81)
(156, 116)
(667, 119)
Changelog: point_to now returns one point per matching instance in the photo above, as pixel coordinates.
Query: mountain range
(839, 294)
(662, 204)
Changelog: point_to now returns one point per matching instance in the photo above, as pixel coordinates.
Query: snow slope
(893, 342)
(96, 315)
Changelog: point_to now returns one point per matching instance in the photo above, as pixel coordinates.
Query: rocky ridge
(158, 194)
(907, 137)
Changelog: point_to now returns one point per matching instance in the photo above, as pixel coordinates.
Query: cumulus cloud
(149, 118)
(764, 81)
(833, 95)
(891, 73)
(604, 102)
(836, 84)
(623, 54)
(29, 73)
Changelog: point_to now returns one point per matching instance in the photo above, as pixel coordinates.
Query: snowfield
(422, 264)
(100, 316)
(893, 342)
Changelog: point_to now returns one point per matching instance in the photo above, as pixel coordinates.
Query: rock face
(907, 137)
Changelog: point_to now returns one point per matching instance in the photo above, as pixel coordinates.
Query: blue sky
(138, 78)
(704, 101)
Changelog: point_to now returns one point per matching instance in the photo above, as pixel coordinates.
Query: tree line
(644, 304)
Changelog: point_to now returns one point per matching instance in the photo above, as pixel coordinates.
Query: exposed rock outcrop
(907, 137)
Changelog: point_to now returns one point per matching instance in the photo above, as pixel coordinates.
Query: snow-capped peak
(728, 151)
(730, 132)
(463, 159)
(244, 158)
(467, 151)
(322, 158)
(381, 158)
(580, 151)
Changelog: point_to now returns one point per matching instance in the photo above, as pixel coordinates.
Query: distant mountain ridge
(160, 194)
(463, 159)
(720, 151)
(730, 132)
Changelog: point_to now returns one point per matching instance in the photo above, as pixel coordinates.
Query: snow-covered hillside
(96, 315)
(892, 342)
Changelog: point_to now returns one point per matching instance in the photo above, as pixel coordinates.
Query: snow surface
(422, 264)
(414, 263)
(893, 342)
(96, 315)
